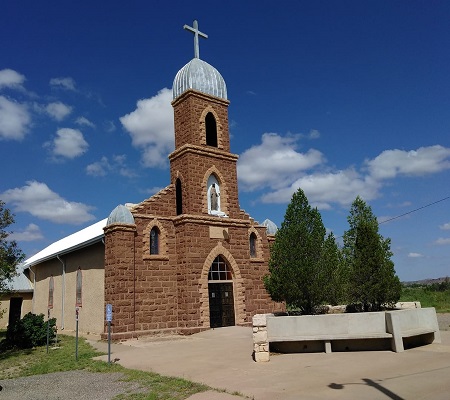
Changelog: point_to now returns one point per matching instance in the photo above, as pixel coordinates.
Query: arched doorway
(220, 289)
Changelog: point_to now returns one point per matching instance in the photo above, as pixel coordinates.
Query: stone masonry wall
(119, 277)
(161, 204)
(195, 166)
(190, 110)
(156, 277)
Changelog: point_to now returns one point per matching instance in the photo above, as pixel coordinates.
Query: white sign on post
(108, 320)
(108, 312)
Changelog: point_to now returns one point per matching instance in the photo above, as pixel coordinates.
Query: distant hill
(426, 281)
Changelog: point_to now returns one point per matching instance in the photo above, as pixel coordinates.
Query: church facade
(186, 259)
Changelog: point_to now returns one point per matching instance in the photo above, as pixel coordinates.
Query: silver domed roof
(271, 227)
(120, 215)
(199, 75)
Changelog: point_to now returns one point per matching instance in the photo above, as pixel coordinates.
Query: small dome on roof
(199, 75)
(120, 215)
(271, 227)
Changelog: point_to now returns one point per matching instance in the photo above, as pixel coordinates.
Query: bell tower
(203, 169)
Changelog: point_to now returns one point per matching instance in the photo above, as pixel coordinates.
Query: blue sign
(108, 312)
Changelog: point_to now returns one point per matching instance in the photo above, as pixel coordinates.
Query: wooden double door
(221, 304)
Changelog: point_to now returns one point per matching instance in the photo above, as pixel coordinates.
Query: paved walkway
(221, 358)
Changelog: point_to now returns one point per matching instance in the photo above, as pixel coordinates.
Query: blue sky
(340, 98)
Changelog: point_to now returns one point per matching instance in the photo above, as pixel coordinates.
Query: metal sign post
(51, 289)
(109, 319)
(48, 327)
(76, 337)
(78, 305)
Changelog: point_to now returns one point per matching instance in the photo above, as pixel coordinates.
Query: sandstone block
(260, 337)
(262, 357)
(259, 320)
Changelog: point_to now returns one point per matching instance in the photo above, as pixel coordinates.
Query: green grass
(17, 363)
(427, 297)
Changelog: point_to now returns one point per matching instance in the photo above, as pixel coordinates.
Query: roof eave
(65, 251)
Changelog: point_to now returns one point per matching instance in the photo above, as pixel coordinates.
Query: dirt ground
(444, 321)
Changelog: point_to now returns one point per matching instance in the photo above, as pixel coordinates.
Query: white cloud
(63, 83)
(443, 241)
(445, 227)
(151, 128)
(109, 126)
(384, 218)
(99, 168)
(11, 79)
(69, 143)
(274, 162)
(415, 255)
(322, 189)
(423, 161)
(31, 233)
(37, 199)
(401, 205)
(153, 190)
(83, 121)
(278, 165)
(14, 119)
(314, 134)
(58, 110)
(104, 166)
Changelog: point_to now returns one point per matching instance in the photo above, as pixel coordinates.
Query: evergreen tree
(301, 258)
(372, 279)
(336, 287)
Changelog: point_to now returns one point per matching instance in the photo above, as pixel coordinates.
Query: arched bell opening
(211, 130)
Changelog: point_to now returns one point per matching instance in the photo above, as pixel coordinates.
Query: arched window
(211, 130)
(78, 301)
(51, 289)
(253, 244)
(154, 240)
(219, 270)
(179, 197)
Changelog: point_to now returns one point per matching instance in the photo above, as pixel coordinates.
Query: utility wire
(409, 212)
(413, 211)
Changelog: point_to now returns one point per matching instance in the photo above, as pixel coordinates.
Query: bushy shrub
(30, 331)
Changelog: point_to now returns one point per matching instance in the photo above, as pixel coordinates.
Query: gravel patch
(80, 385)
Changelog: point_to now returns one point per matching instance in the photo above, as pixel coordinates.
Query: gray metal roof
(20, 283)
(199, 75)
(271, 227)
(85, 237)
(120, 215)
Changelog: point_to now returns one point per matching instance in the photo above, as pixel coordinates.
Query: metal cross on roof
(196, 33)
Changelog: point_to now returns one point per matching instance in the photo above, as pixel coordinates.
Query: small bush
(30, 331)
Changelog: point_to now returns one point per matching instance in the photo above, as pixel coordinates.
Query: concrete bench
(374, 330)
(421, 323)
(327, 328)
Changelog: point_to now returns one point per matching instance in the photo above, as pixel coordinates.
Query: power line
(413, 211)
(409, 212)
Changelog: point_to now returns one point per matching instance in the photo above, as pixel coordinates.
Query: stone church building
(186, 259)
